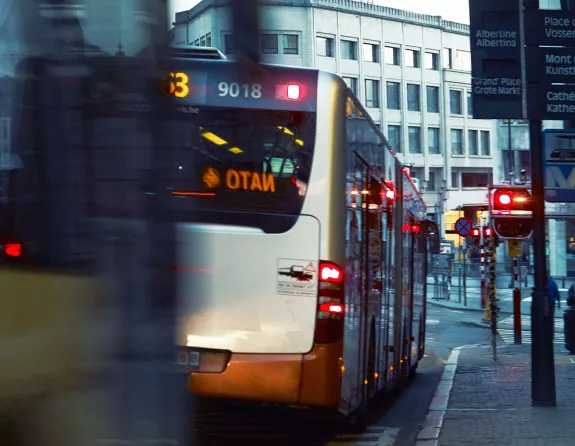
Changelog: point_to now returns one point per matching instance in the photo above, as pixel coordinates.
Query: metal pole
(465, 277)
(492, 297)
(543, 366)
(511, 158)
(482, 247)
(516, 303)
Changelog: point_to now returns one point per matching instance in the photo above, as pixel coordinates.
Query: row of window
(458, 59)
(393, 96)
(478, 141)
(468, 179)
(271, 43)
(203, 41)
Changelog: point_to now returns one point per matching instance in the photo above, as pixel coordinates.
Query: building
(411, 71)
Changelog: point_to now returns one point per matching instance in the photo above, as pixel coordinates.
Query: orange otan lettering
(245, 176)
(268, 182)
(256, 182)
(232, 179)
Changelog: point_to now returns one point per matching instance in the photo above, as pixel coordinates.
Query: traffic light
(512, 212)
(512, 200)
(513, 228)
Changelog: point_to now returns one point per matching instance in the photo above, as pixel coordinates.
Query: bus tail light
(12, 249)
(330, 309)
(293, 91)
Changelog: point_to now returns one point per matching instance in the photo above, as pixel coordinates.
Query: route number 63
(233, 89)
(176, 85)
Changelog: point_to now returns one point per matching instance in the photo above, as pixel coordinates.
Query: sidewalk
(488, 403)
(505, 296)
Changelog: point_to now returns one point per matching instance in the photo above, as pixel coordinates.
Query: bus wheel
(413, 370)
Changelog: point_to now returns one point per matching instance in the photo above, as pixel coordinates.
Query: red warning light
(488, 232)
(390, 194)
(415, 228)
(504, 199)
(476, 232)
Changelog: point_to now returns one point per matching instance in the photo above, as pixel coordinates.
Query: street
(394, 420)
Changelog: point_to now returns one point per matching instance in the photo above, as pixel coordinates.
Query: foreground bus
(310, 289)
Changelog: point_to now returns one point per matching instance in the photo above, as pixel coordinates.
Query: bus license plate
(189, 358)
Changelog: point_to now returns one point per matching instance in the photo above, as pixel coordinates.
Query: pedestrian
(571, 296)
(554, 291)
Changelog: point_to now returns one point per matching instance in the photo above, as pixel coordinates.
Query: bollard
(517, 316)
(482, 293)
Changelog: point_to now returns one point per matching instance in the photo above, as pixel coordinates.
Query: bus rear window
(239, 164)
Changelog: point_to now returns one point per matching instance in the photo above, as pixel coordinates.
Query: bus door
(407, 292)
(356, 285)
(375, 285)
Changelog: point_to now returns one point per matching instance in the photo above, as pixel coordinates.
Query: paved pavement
(473, 302)
(490, 403)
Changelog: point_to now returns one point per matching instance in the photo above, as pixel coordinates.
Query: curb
(471, 310)
(429, 434)
(472, 323)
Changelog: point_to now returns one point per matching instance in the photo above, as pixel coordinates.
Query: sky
(454, 10)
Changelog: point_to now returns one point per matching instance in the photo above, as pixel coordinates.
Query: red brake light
(293, 91)
(415, 228)
(329, 272)
(13, 249)
(331, 308)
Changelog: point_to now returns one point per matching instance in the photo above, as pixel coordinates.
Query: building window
(372, 93)
(413, 97)
(414, 139)
(209, 39)
(351, 83)
(229, 44)
(270, 44)
(393, 96)
(391, 55)
(469, 104)
(433, 99)
(203, 41)
(290, 43)
(433, 140)
(431, 181)
(412, 58)
(371, 52)
(448, 58)
(455, 102)
(472, 137)
(456, 142)
(463, 60)
(475, 179)
(325, 46)
(432, 61)
(348, 49)
(455, 178)
(394, 137)
(485, 144)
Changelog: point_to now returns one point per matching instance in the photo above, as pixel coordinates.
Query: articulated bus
(310, 290)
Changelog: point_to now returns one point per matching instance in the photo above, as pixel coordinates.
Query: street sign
(559, 165)
(549, 27)
(545, 64)
(552, 102)
(463, 227)
(496, 49)
(514, 248)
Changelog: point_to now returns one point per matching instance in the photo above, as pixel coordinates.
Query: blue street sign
(463, 226)
(559, 165)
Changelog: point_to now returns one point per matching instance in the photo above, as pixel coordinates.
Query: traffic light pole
(543, 365)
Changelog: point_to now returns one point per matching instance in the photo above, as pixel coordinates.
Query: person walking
(554, 292)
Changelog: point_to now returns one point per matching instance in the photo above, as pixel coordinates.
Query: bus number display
(176, 85)
(234, 90)
(239, 180)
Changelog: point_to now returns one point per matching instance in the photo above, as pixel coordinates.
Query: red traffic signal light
(513, 199)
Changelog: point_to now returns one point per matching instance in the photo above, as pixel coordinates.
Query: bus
(310, 287)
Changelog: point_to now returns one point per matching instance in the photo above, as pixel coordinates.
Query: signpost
(510, 81)
(559, 165)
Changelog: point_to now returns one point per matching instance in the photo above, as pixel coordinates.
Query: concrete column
(557, 248)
